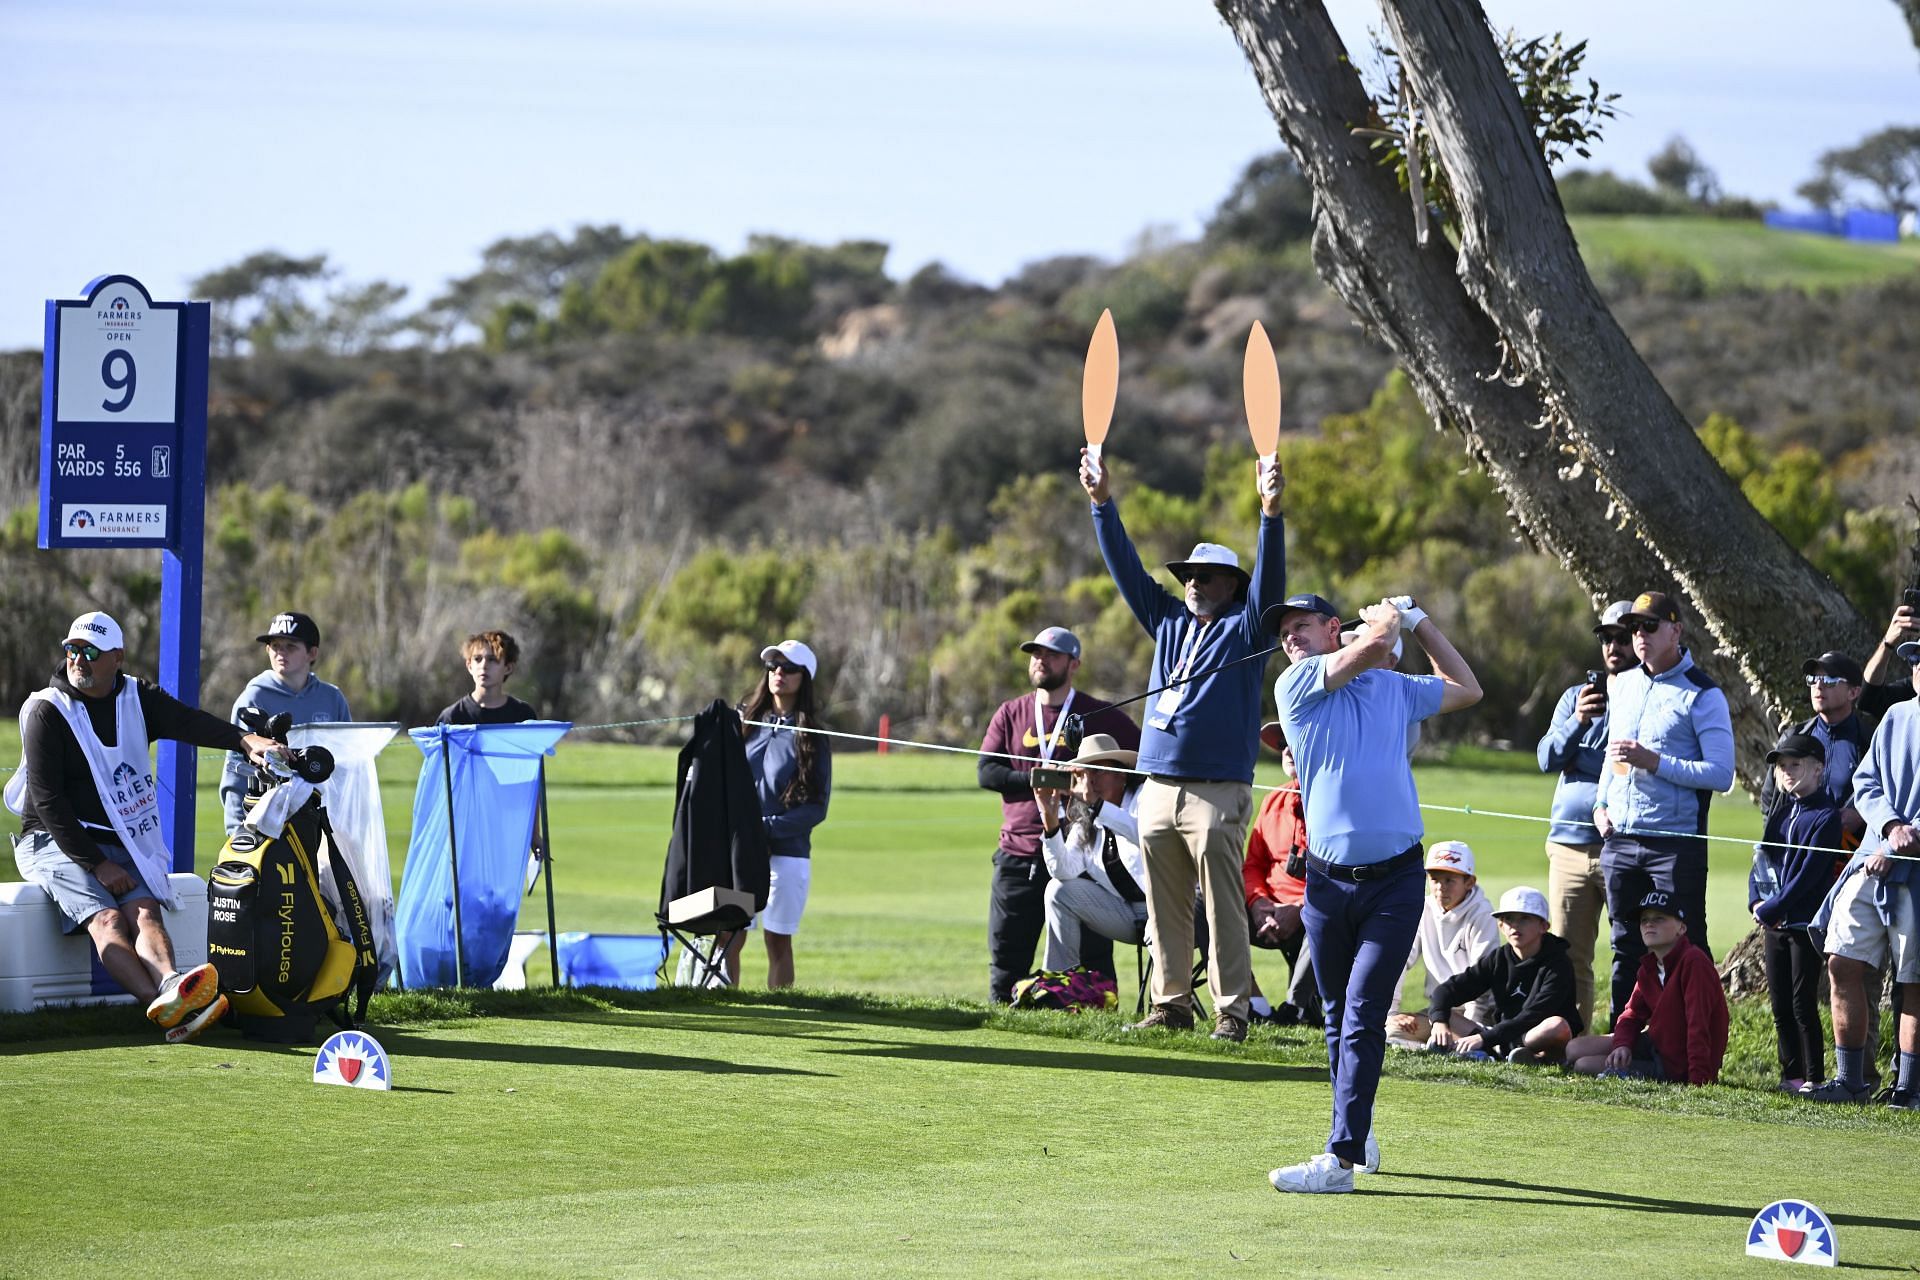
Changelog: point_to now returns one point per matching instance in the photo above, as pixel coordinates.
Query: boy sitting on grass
(1674, 1026)
(1456, 930)
(1531, 982)
(491, 657)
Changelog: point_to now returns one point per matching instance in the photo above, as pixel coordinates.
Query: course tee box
(40, 965)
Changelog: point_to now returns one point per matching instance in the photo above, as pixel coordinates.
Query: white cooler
(39, 965)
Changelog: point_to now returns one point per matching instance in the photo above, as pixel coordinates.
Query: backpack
(1070, 989)
(286, 948)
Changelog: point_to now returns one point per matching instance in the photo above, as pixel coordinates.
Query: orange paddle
(1260, 379)
(1099, 388)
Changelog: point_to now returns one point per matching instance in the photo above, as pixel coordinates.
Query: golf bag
(288, 945)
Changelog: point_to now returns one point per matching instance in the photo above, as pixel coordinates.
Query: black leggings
(1794, 965)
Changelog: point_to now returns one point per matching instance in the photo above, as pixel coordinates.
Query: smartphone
(1911, 598)
(1049, 779)
(1597, 679)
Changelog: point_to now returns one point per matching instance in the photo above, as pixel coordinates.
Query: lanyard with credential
(1048, 741)
(1191, 652)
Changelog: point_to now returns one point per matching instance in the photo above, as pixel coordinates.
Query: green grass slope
(1727, 253)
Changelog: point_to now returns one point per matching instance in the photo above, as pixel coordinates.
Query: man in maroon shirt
(1024, 732)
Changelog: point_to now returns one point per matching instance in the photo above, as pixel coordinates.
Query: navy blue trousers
(1359, 936)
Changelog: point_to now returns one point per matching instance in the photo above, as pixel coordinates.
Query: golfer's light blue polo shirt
(1351, 746)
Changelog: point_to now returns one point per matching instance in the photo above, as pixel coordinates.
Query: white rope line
(1436, 808)
(1017, 758)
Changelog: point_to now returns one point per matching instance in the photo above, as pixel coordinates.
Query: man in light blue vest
(1669, 748)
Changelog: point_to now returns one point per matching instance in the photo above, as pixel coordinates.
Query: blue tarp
(1873, 224)
(1853, 224)
(1817, 221)
(496, 795)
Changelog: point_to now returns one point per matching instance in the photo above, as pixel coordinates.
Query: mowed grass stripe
(810, 1142)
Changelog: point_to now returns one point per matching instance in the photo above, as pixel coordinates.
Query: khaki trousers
(1576, 894)
(1196, 832)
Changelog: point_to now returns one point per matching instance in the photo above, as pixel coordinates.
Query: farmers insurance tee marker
(1793, 1231)
(1100, 387)
(354, 1059)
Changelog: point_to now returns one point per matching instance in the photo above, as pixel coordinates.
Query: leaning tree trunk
(1509, 344)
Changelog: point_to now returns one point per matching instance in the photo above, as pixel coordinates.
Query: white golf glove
(1411, 614)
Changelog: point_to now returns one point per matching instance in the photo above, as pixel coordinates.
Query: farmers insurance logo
(119, 314)
(80, 519)
(1793, 1231)
(354, 1059)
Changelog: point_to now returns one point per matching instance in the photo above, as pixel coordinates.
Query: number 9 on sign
(116, 370)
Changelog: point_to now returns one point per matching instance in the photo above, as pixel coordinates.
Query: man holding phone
(1026, 734)
(1575, 747)
(1669, 748)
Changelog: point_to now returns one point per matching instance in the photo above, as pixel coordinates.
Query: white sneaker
(1322, 1173)
(1372, 1162)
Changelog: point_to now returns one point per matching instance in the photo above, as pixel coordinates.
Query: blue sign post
(123, 463)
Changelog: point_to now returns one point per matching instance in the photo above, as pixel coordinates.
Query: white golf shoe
(1320, 1174)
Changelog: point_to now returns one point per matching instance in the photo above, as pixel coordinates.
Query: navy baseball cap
(1835, 663)
(1058, 639)
(1305, 602)
(1661, 902)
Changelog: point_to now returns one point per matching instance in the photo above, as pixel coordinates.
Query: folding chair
(706, 923)
(1143, 960)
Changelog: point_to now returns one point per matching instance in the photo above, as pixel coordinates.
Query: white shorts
(787, 899)
(1858, 933)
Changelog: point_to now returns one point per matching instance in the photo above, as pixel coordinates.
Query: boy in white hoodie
(1457, 928)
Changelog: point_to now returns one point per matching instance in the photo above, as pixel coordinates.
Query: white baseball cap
(1522, 900)
(1450, 855)
(794, 652)
(98, 630)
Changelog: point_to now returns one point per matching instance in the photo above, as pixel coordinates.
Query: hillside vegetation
(648, 458)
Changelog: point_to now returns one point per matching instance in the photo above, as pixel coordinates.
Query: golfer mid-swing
(1347, 721)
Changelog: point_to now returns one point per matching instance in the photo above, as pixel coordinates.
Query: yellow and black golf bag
(286, 950)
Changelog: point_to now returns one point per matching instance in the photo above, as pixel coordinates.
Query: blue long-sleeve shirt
(1681, 714)
(1793, 863)
(773, 755)
(1578, 753)
(1215, 731)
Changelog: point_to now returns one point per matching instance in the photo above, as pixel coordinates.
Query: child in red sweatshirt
(1675, 1024)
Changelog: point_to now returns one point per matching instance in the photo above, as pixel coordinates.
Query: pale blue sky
(400, 137)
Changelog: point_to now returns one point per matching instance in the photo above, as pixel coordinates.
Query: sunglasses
(1203, 577)
(1646, 626)
(1615, 636)
(1827, 680)
(90, 652)
(785, 667)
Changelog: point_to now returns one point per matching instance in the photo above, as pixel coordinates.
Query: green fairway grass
(1729, 252)
(669, 1134)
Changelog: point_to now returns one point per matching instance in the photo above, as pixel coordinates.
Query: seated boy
(491, 657)
(1674, 1026)
(1456, 930)
(1274, 875)
(1531, 982)
(288, 684)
